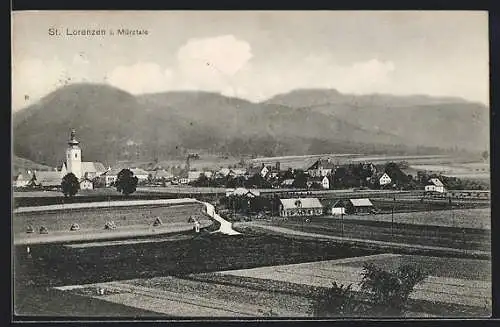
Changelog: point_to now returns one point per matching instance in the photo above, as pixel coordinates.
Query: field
(459, 218)
(94, 219)
(469, 231)
(54, 265)
(453, 287)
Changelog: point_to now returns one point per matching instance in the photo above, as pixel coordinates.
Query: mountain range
(114, 125)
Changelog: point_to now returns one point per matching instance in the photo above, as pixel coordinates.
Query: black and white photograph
(250, 165)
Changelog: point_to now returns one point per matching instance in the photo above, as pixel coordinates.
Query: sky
(254, 54)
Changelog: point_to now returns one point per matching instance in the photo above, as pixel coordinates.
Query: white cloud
(34, 78)
(222, 54)
(142, 77)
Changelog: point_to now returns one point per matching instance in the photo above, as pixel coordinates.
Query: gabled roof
(305, 203)
(324, 163)
(92, 167)
(162, 174)
(22, 177)
(435, 182)
(288, 182)
(243, 191)
(224, 171)
(48, 178)
(138, 171)
(239, 171)
(112, 172)
(361, 202)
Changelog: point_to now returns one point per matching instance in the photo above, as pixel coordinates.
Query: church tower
(74, 156)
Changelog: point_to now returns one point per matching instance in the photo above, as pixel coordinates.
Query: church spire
(72, 141)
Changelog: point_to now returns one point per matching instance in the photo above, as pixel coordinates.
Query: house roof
(22, 177)
(112, 172)
(288, 182)
(139, 171)
(361, 202)
(162, 174)
(240, 171)
(306, 203)
(48, 178)
(224, 171)
(92, 167)
(435, 182)
(243, 191)
(325, 163)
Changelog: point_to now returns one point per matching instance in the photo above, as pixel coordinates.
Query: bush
(337, 301)
(390, 291)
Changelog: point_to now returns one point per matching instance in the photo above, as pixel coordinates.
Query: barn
(300, 207)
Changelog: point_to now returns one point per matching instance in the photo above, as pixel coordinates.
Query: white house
(325, 182)
(322, 167)
(141, 174)
(109, 177)
(22, 179)
(241, 191)
(434, 185)
(86, 184)
(384, 180)
(301, 207)
(264, 171)
(338, 209)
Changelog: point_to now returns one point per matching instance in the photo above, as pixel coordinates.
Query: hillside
(446, 122)
(114, 125)
(22, 165)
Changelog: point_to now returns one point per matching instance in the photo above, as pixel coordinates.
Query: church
(85, 171)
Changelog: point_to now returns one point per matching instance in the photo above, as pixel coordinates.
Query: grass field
(94, 219)
(288, 290)
(440, 232)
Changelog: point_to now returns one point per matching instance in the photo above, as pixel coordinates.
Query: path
(381, 244)
(105, 204)
(225, 226)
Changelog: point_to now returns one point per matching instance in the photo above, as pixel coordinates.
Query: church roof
(92, 167)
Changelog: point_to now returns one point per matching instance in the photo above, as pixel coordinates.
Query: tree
(70, 185)
(390, 290)
(126, 182)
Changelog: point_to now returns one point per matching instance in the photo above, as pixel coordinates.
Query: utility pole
(392, 216)
(342, 223)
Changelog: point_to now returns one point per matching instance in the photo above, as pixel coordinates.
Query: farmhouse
(322, 167)
(384, 180)
(241, 191)
(161, 174)
(322, 182)
(109, 177)
(434, 185)
(337, 208)
(287, 183)
(141, 174)
(47, 179)
(22, 179)
(300, 207)
(359, 206)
